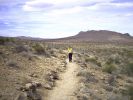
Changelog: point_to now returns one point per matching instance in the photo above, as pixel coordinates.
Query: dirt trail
(65, 87)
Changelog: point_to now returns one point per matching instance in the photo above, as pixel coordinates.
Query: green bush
(130, 92)
(21, 48)
(109, 68)
(129, 69)
(128, 52)
(113, 60)
(12, 64)
(3, 40)
(39, 49)
(93, 60)
(110, 61)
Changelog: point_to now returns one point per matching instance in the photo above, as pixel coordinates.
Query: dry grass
(109, 68)
(39, 57)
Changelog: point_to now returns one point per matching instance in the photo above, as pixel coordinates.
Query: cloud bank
(60, 18)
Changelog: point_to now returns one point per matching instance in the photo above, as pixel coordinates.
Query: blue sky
(61, 18)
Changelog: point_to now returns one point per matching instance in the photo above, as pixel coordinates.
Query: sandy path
(66, 86)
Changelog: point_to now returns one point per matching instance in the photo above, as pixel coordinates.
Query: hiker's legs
(70, 57)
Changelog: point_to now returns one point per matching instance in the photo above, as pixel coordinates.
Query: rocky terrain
(39, 70)
(99, 36)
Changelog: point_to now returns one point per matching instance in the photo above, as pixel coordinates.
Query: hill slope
(100, 36)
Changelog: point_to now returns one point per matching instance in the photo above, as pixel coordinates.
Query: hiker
(70, 53)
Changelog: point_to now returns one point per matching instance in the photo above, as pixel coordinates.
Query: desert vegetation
(105, 68)
(30, 69)
(4, 40)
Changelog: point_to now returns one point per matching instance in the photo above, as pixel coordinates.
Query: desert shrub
(24, 80)
(41, 49)
(109, 68)
(130, 92)
(82, 97)
(53, 52)
(113, 60)
(110, 61)
(86, 76)
(2, 57)
(21, 48)
(93, 60)
(129, 69)
(117, 97)
(29, 56)
(83, 73)
(128, 52)
(12, 64)
(4, 40)
(117, 61)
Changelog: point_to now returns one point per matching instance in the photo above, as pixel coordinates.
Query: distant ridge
(28, 38)
(99, 36)
(89, 36)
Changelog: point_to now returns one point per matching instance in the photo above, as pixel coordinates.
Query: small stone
(37, 84)
(33, 75)
(48, 86)
(28, 86)
(102, 78)
(96, 90)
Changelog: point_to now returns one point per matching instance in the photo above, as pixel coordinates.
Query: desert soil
(65, 87)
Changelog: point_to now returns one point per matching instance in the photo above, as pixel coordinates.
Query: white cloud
(39, 5)
(109, 5)
(67, 7)
(67, 11)
(129, 14)
(47, 18)
(117, 4)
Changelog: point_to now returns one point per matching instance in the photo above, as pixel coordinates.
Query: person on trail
(70, 53)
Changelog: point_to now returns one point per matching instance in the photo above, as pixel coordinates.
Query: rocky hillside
(100, 36)
(89, 36)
